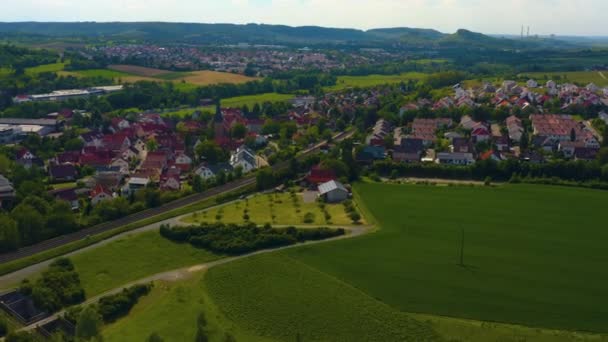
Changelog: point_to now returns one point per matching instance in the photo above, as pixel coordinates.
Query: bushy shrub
(235, 239)
(58, 287)
(118, 305)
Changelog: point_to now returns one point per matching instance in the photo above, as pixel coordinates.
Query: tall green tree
(30, 223)
(88, 325)
(9, 234)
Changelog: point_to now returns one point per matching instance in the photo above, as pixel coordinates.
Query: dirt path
(602, 75)
(186, 272)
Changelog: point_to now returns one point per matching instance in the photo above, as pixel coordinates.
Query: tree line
(240, 239)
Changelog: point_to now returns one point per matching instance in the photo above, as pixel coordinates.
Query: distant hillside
(161, 32)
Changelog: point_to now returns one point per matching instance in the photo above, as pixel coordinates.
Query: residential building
(333, 191)
(63, 173)
(245, 158)
(7, 192)
(455, 158)
(100, 194)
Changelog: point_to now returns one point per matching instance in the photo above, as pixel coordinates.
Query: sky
(562, 17)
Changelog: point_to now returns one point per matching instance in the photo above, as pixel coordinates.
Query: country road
(189, 200)
(184, 272)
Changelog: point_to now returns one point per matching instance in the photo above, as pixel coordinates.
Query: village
(145, 150)
(240, 59)
(533, 135)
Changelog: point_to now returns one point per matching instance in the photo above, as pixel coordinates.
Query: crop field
(541, 269)
(600, 78)
(280, 209)
(373, 80)
(131, 258)
(198, 78)
(277, 297)
(533, 255)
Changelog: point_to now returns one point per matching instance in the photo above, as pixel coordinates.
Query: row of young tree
(241, 239)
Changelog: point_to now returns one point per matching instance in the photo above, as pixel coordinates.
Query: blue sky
(573, 17)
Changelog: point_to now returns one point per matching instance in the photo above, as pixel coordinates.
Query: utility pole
(462, 249)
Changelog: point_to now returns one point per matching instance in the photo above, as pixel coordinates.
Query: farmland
(542, 267)
(281, 209)
(279, 298)
(600, 78)
(198, 78)
(373, 80)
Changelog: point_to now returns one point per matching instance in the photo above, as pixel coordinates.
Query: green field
(581, 77)
(131, 258)
(107, 73)
(533, 255)
(251, 100)
(171, 311)
(279, 209)
(277, 297)
(55, 67)
(345, 82)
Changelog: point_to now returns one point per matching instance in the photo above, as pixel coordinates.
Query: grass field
(171, 310)
(373, 80)
(600, 78)
(533, 254)
(251, 100)
(131, 258)
(96, 73)
(55, 67)
(280, 209)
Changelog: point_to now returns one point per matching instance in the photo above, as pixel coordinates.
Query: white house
(99, 194)
(333, 191)
(123, 165)
(532, 84)
(551, 84)
(208, 172)
(604, 117)
(592, 87)
(455, 158)
(245, 158)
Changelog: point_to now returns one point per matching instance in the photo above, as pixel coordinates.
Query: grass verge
(55, 252)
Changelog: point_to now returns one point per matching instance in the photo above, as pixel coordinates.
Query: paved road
(183, 273)
(107, 226)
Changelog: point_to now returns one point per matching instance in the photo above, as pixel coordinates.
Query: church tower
(218, 122)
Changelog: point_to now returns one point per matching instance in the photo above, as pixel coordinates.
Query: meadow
(600, 78)
(276, 209)
(533, 256)
(131, 258)
(345, 82)
(171, 310)
(251, 100)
